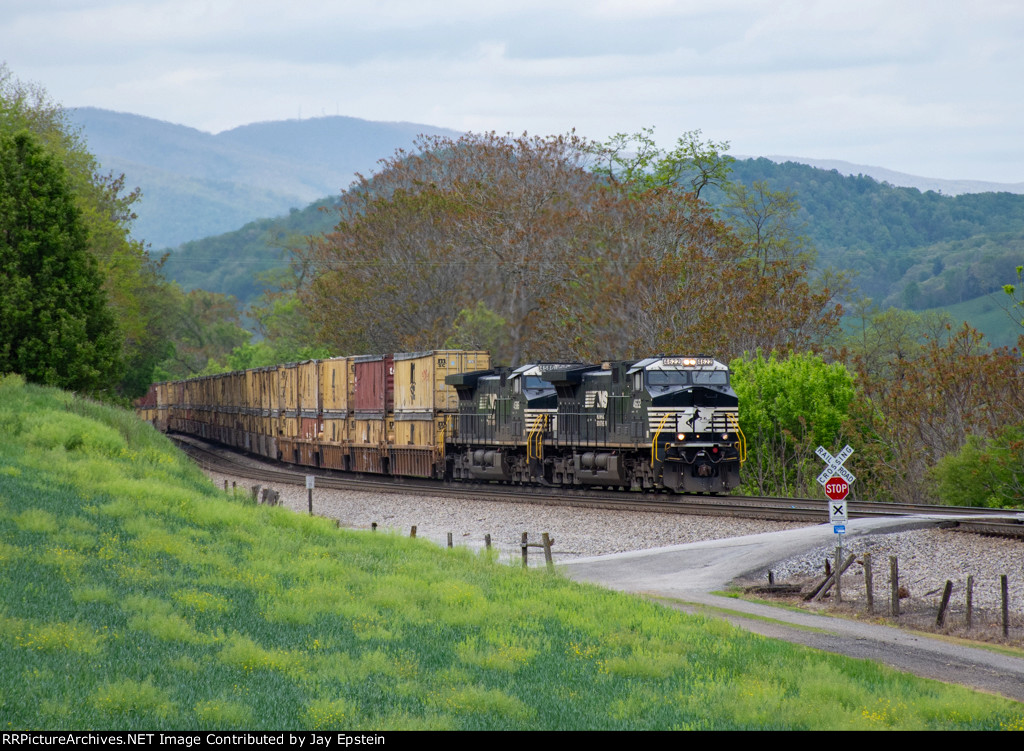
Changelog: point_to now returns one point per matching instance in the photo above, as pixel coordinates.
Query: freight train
(660, 423)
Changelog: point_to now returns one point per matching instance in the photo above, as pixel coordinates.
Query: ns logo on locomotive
(658, 423)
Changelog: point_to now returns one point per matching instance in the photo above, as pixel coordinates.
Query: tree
(638, 163)
(207, 328)
(788, 407)
(483, 218)
(1015, 308)
(136, 291)
(55, 327)
(618, 262)
(985, 472)
(922, 394)
(677, 275)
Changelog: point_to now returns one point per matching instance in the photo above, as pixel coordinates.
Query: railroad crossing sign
(834, 466)
(836, 480)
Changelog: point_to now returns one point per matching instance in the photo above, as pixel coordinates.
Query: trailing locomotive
(657, 423)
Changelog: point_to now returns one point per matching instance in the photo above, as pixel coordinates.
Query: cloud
(918, 86)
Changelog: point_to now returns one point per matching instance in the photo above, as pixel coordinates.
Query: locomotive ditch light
(725, 436)
(680, 436)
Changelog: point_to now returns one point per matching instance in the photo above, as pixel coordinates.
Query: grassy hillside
(137, 596)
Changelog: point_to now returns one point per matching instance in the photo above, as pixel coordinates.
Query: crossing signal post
(836, 481)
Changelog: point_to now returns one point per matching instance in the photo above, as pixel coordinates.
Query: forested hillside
(905, 248)
(235, 263)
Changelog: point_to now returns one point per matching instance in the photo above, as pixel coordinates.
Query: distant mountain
(198, 184)
(903, 180)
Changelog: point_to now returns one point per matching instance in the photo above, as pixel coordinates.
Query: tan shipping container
(335, 430)
(288, 389)
(419, 378)
(418, 432)
(309, 388)
(334, 385)
(372, 432)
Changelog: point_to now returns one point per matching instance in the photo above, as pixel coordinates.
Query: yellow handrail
(536, 434)
(654, 441)
(442, 431)
(735, 423)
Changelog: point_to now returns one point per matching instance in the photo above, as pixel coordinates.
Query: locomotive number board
(688, 362)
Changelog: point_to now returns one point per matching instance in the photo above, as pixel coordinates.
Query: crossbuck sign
(834, 465)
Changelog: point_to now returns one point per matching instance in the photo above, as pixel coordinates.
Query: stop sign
(837, 488)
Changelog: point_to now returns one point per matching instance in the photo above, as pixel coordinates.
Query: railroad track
(811, 511)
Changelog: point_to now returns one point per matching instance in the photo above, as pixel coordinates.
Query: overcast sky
(929, 87)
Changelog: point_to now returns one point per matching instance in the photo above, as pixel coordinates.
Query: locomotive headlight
(725, 436)
(680, 436)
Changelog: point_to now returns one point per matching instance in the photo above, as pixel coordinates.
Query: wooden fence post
(412, 532)
(487, 540)
(822, 589)
(894, 584)
(869, 583)
(970, 601)
(547, 550)
(449, 539)
(941, 618)
(524, 549)
(1004, 587)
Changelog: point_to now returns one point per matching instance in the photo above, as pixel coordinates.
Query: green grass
(135, 595)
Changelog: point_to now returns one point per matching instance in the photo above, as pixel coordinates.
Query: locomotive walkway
(684, 577)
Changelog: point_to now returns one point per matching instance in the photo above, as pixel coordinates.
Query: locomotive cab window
(667, 378)
(534, 383)
(711, 377)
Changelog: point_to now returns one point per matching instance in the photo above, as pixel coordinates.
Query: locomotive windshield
(536, 382)
(667, 378)
(710, 377)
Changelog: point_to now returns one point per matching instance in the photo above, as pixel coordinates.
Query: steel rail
(227, 460)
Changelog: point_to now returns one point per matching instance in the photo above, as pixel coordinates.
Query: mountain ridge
(197, 184)
(946, 186)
